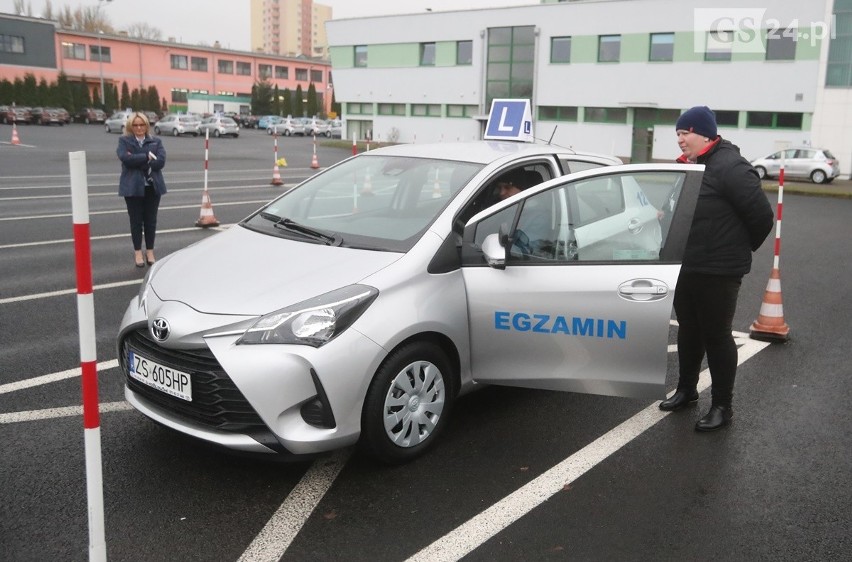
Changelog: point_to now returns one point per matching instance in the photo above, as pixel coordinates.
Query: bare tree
(143, 30)
(23, 8)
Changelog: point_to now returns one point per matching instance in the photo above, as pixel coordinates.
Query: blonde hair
(128, 126)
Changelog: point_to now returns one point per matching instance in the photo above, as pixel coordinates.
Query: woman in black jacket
(141, 184)
(732, 219)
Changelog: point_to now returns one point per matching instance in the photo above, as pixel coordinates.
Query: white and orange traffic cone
(770, 324)
(207, 218)
(15, 139)
(314, 161)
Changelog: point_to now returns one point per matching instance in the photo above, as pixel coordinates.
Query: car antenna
(552, 134)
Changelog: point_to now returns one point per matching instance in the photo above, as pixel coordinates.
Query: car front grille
(216, 401)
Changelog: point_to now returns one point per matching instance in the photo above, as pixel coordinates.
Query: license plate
(165, 379)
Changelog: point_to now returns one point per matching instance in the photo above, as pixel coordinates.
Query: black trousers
(143, 217)
(705, 307)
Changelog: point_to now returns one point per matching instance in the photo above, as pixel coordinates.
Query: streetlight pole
(100, 51)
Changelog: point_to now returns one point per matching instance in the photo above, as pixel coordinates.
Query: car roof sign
(509, 120)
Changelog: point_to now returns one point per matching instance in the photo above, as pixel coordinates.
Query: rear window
(828, 154)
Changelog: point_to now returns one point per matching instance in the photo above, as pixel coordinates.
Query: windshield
(373, 202)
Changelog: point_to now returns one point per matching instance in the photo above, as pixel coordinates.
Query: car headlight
(313, 322)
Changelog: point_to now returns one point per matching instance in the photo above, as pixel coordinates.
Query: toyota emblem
(160, 329)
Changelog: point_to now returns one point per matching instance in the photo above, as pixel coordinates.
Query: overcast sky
(227, 21)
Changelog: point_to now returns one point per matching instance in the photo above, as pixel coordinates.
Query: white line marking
(106, 237)
(53, 413)
(275, 537)
(482, 527)
(67, 292)
(54, 377)
(116, 211)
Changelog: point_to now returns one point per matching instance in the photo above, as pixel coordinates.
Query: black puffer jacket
(732, 217)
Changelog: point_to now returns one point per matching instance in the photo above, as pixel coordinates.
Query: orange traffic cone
(314, 161)
(15, 139)
(770, 324)
(207, 217)
(276, 175)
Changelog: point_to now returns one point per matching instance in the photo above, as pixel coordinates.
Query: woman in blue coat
(142, 159)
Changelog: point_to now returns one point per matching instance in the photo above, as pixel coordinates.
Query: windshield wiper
(292, 226)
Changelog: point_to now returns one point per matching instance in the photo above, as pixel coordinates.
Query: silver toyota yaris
(361, 303)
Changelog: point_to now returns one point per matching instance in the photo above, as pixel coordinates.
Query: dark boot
(717, 418)
(679, 399)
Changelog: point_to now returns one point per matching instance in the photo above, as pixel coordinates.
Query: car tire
(217, 134)
(818, 176)
(175, 132)
(328, 134)
(236, 136)
(269, 130)
(157, 130)
(106, 128)
(761, 172)
(414, 385)
(86, 120)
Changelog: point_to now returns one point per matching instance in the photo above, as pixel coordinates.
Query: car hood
(247, 273)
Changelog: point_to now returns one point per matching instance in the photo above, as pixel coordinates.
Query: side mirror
(494, 250)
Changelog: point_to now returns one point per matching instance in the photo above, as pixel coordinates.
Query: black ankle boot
(679, 399)
(717, 418)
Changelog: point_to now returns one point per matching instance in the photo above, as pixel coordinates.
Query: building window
(427, 54)
(718, 45)
(199, 64)
(74, 51)
(360, 56)
(774, 120)
(179, 95)
(609, 48)
(180, 62)
(105, 54)
(839, 67)
(727, 118)
(316, 76)
(226, 66)
(11, 44)
(662, 47)
(244, 68)
(510, 63)
(391, 109)
(606, 115)
(464, 52)
(781, 44)
(456, 110)
(425, 110)
(560, 49)
(557, 113)
(264, 71)
(302, 74)
(359, 108)
(282, 72)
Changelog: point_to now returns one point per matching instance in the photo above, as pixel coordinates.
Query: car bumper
(290, 400)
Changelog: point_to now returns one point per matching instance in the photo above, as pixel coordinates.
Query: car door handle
(643, 290)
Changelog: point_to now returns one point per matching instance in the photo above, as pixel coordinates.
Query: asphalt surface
(518, 475)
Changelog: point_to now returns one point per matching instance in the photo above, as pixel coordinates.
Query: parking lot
(518, 475)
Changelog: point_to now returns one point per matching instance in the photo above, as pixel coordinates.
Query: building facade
(178, 71)
(605, 75)
(289, 27)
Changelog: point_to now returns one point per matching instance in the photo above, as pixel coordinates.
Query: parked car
(414, 285)
(316, 127)
(335, 129)
(219, 127)
(175, 125)
(15, 114)
(91, 115)
(48, 116)
(267, 120)
(116, 122)
(152, 116)
(64, 115)
(287, 126)
(817, 164)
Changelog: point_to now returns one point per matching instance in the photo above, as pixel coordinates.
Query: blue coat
(135, 165)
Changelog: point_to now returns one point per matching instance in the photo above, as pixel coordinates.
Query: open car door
(570, 283)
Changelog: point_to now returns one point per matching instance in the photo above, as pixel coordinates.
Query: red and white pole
(88, 355)
(276, 174)
(206, 156)
(354, 145)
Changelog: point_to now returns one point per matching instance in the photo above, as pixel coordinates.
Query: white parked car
(219, 127)
(176, 125)
(817, 164)
(115, 123)
(357, 306)
(287, 126)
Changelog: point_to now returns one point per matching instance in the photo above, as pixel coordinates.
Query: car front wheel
(157, 130)
(106, 128)
(216, 133)
(761, 172)
(408, 403)
(269, 130)
(818, 176)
